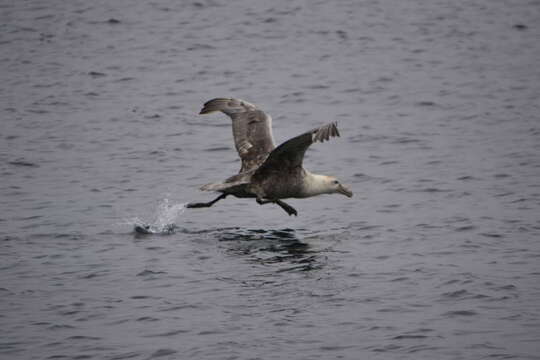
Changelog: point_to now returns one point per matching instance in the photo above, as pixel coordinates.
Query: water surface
(436, 256)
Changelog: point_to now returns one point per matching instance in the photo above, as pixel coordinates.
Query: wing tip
(336, 129)
(214, 105)
(325, 132)
(226, 105)
(205, 111)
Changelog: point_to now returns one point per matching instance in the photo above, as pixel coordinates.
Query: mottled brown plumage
(252, 129)
(269, 174)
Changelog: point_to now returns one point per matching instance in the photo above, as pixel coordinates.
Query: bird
(269, 173)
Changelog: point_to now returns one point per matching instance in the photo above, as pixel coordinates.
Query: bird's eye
(335, 182)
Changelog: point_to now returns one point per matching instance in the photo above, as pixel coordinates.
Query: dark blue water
(437, 256)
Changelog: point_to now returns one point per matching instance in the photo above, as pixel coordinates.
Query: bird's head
(335, 186)
(321, 184)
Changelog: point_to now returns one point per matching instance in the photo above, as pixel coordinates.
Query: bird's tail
(223, 187)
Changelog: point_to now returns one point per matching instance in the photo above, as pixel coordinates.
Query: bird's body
(269, 173)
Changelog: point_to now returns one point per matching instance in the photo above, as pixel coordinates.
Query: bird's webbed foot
(199, 205)
(288, 208)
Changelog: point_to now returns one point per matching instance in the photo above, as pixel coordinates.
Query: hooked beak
(343, 190)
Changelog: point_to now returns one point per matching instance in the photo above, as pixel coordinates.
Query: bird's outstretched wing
(290, 154)
(252, 129)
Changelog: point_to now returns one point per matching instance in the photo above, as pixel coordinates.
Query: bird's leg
(288, 208)
(206, 204)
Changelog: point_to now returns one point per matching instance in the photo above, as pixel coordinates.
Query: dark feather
(290, 154)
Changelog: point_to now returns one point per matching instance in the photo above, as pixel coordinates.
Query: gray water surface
(437, 256)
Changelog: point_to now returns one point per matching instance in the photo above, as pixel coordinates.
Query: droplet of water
(163, 223)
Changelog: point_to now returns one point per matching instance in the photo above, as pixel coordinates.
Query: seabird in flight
(269, 173)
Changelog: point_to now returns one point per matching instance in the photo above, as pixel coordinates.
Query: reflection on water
(282, 246)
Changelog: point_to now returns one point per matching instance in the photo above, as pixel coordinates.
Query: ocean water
(437, 256)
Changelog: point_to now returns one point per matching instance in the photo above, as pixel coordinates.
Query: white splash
(164, 221)
(168, 213)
